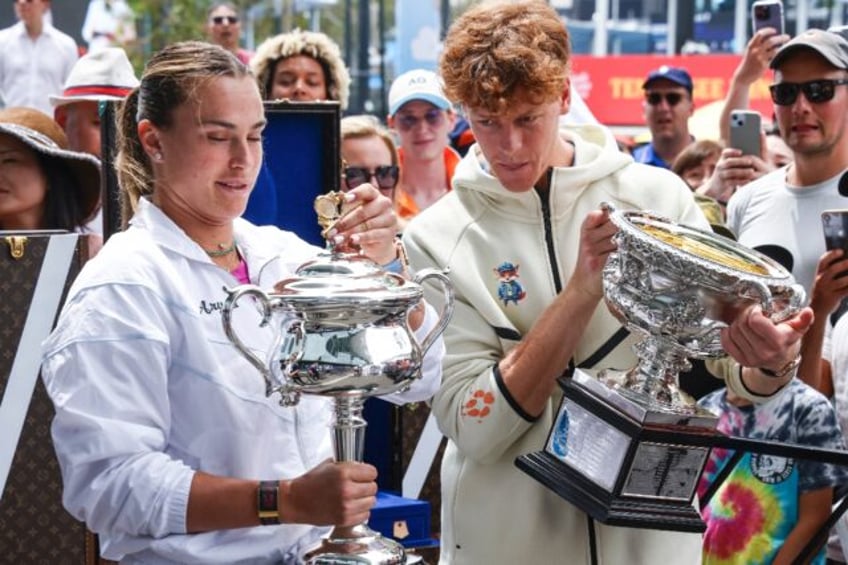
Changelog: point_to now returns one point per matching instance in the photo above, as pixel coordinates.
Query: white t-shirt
(784, 221)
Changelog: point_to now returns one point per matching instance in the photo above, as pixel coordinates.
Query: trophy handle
(447, 310)
(226, 316)
(797, 297)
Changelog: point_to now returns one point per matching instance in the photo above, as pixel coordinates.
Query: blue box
(393, 516)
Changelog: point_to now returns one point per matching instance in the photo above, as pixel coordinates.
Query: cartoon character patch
(479, 405)
(509, 289)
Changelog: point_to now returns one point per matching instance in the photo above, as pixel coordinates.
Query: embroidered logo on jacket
(509, 288)
(479, 405)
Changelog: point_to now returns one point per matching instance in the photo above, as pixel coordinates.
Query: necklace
(222, 250)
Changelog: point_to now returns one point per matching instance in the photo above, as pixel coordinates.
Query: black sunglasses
(218, 20)
(656, 98)
(815, 91)
(385, 175)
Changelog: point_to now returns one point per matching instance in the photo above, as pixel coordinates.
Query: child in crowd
(769, 508)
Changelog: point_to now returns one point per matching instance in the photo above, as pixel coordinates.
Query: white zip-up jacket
(148, 390)
(492, 512)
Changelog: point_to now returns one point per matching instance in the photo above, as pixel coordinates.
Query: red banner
(612, 85)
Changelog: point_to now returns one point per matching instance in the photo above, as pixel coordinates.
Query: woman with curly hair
(303, 66)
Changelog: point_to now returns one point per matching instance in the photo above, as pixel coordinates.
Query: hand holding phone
(767, 13)
(745, 128)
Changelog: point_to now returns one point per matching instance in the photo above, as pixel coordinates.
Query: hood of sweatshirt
(596, 156)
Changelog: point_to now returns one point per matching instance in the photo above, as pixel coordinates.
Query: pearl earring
(157, 156)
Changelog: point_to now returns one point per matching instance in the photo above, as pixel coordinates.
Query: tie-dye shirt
(756, 507)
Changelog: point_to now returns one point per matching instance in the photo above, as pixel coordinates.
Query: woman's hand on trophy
(331, 494)
(596, 243)
(368, 221)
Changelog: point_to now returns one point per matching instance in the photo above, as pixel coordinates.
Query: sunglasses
(385, 175)
(656, 98)
(219, 20)
(433, 117)
(815, 91)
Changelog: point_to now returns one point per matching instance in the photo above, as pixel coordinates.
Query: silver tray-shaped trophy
(611, 450)
(342, 333)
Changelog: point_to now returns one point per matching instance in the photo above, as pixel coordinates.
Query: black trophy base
(605, 507)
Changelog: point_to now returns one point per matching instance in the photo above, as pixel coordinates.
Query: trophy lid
(344, 286)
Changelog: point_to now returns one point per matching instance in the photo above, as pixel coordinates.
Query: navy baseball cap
(674, 74)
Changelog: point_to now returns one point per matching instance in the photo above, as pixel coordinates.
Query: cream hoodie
(492, 512)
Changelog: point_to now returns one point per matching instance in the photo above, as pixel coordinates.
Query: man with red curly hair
(528, 193)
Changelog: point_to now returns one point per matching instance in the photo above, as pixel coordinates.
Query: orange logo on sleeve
(479, 405)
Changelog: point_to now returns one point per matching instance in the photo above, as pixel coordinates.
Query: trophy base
(358, 545)
(605, 507)
(622, 460)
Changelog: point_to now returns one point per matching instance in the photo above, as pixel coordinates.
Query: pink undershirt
(240, 272)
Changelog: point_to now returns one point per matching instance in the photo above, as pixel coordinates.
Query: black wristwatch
(267, 495)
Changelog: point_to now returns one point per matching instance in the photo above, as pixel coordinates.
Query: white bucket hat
(103, 75)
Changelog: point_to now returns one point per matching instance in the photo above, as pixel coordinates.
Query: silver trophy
(612, 449)
(342, 333)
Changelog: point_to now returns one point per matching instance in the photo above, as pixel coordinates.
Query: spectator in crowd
(44, 185)
(35, 57)
(668, 106)
(526, 196)
(761, 484)
(108, 23)
(368, 155)
(423, 119)
(223, 27)
(777, 152)
(829, 293)
(103, 75)
(169, 449)
(774, 214)
(695, 165)
(301, 66)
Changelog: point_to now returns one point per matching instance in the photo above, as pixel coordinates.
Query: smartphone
(745, 126)
(835, 228)
(767, 13)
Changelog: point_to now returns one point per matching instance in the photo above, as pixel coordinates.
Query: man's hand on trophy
(367, 220)
(596, 243)
(765, 349)
(331, 494)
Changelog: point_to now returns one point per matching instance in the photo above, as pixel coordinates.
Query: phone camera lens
(762, 12)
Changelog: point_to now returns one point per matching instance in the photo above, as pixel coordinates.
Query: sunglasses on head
(219, 20)
(385, 175)
(656, 98)
(815, 91)
(433, 117)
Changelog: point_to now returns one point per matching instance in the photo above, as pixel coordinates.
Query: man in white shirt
(35, 57)
(108, 23)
